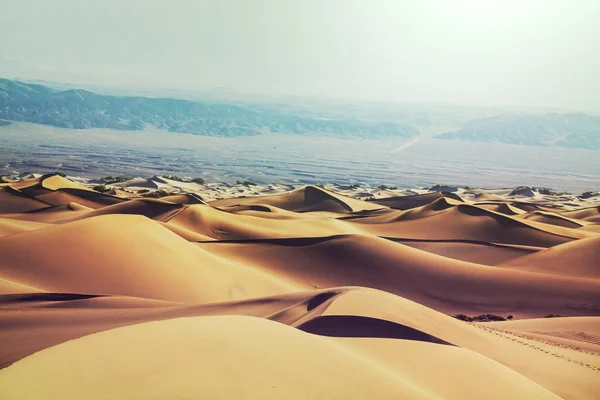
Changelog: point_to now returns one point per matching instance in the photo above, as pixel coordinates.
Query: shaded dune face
(177, 297)
(365, 327)
(408, 202)
(306, 199)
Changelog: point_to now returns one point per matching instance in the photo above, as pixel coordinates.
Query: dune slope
(168, 289)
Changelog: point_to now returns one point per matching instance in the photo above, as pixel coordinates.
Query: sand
(283, 291)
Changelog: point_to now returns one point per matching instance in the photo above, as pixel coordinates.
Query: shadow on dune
(414, 201)
(364, 327)
(33, 297)
(320, 299)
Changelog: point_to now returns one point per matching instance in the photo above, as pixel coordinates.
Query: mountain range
(82, 109)
(563, 130)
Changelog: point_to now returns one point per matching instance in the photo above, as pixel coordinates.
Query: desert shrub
(550, 192)
(161, 193)
(246, 183)
(176, 178)
(488, 317)
(436, 187)
(141, 191)
(481, 318)
(355, 186)
(101, 188)
(509, 317)
(553, 316)
(462, 317)
(588, 194)
(184, 179)
(59, 173)
(385, 187)
(109, 180)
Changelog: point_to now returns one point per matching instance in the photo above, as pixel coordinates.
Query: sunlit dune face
(176, 294)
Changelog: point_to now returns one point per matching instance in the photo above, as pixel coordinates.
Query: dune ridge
(297, 292)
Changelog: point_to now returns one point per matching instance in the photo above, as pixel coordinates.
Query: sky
(540, 53)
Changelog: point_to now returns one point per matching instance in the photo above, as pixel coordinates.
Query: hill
(82, 109)
(563, 130)
(294, 292)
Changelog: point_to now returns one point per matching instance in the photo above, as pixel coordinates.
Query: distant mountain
(563, 130)
(81, 109)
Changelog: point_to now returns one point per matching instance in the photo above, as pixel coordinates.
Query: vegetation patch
(482, 318)
(160, 193)
(109, 180)
(246, 183)
(550, 192)
(183, 179)
(435, 188)
(588, 194)
(101, 188)
(553, 316)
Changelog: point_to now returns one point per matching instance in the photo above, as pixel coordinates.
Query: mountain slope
(563, 130)
(81, 109)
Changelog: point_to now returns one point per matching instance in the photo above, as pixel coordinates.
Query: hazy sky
(504, 52)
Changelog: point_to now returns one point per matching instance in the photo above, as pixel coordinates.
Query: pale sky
(489, 52)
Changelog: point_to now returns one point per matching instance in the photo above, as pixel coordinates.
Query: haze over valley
(305, 141)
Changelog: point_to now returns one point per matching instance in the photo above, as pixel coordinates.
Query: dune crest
(163, 288)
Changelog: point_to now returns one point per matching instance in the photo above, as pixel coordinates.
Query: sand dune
(14, 201)
(442, 283)
(445, 220)
(8, 287)
(503, 208)
(591, 214)
(408, 202)
(84, 197)
(472, 251)
(184, 199)
(485, 197)
(309, 198)
(298, 292)
(579, 258)
(224, 225)
(140, 258)
(555, 219)
(142, 183)
(270, 363)
(157, 209)
(581, 329)
(417, 324)
(55, 182)
(9, 226)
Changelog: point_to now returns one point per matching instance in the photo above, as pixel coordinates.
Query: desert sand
(160, 289)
